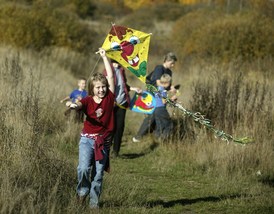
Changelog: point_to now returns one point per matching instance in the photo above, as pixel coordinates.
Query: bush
(170, 11)
(41, 27)
(264, 7)
(109, 12)
(247, 36)
(84, 8)
(141, 19)
(67, 30)
(22, 30)
(185, 27)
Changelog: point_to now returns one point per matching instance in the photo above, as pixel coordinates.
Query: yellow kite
(129, 48)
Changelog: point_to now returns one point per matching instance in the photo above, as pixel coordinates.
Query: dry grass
(39, 146)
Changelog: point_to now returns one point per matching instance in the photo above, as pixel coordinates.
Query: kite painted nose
(127, 48)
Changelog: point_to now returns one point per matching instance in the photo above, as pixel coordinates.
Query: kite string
(198, 117)
(99, 57)
(113, 25)
(94, 66)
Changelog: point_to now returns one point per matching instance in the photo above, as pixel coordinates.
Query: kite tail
(199, 118)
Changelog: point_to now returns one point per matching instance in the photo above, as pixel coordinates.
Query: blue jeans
(89, 168)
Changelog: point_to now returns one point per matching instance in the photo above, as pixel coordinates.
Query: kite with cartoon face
(129, 48)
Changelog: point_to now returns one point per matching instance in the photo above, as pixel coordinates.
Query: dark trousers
(147, 126)
(164, 123)
(119, 115)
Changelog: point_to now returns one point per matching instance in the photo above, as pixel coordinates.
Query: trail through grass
(148, 178)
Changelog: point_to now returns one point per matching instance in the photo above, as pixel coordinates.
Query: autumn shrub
(147, 16)
(110, 12)
(22, 30)
(84, 8)
(170, 11)
(141, 19)
(247, 36)
(186, 26)
(264, 7)
(41, 27)
(66, 29)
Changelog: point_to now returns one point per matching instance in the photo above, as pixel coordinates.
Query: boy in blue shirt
(76, 95)
(163, 120)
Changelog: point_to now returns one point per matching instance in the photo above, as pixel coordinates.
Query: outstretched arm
(108, 69)
(65, 99)
(77, 105)
(136, 89)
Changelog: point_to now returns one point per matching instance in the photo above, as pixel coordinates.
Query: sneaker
(94, 206)
(136, 140)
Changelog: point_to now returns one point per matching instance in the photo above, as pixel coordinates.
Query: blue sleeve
(162, 91)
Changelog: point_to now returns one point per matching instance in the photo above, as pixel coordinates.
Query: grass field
(225, 69)
(153, 178)
(194, 173)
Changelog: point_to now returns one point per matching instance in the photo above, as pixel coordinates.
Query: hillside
(225, 69)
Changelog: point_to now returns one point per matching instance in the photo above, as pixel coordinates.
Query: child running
(76, 95)
(96, 134)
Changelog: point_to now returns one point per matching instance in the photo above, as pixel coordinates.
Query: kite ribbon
(199, 118)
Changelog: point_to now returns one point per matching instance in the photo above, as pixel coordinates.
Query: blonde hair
(94, 78)
(82, 78)
(165, 78)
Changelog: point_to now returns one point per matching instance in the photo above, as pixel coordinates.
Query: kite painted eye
(134, 40)
(115, 46)
(144, 95)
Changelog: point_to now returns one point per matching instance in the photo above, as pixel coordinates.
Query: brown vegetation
(225, 69)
